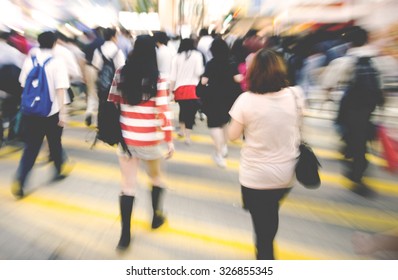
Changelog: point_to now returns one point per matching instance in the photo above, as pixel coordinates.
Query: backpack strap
(104, 58)
(46, 61)
(102, 54)
(35, 62)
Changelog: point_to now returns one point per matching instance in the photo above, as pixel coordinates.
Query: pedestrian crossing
(79, 216)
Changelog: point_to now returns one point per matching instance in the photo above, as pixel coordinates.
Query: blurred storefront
(188, 16)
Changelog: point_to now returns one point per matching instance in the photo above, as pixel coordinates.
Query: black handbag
(201, 90)
(307, 166)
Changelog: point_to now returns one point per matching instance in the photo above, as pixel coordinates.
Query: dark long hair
(138, 78)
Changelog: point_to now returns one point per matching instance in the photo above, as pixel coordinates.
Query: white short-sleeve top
(56, 74)
(272, 136)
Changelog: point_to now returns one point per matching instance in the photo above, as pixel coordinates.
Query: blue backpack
(36, 99)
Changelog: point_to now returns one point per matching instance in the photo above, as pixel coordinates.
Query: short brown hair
(267, 72)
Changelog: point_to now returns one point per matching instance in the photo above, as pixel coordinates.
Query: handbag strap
(299, 111)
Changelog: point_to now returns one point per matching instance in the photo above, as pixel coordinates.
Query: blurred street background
(78, 217)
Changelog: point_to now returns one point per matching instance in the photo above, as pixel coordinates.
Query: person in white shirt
(164, 55)
(269, 115)
(111, 52)
(125, 41)
(60, 50)
(186, 70)
(72, 66)
(90, 72)
(51, 126)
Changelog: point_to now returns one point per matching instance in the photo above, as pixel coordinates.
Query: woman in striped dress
(146, 122)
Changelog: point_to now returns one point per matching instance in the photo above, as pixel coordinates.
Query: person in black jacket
(223, 80)
(360, 71)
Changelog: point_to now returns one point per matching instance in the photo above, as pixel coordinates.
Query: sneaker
(224, 151)
(219, 160)
(17, 189)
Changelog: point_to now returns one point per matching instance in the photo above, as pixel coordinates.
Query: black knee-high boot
(158, 216)
(126, 207)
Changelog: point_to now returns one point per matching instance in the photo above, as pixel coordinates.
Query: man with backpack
(90, 72)
(107, 58)
(360, 71)
(45, 81)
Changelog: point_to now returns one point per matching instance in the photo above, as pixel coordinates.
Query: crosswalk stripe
(204, 139)
(323, 153)
(326, 214)
(383, 186)
(196, 138)
(179, 228)
(347, 215)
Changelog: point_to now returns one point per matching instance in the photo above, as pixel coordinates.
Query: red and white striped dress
(148, 123)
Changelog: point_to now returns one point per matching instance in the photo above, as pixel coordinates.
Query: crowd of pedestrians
(253, 89)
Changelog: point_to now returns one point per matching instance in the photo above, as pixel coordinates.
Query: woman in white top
(268, 116)
(186, 69)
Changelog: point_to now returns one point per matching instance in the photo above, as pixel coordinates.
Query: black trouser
(356, 137)
(263, 206)
(188, 109)
(35, 130)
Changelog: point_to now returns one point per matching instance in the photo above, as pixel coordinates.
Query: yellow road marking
(347, 215)
(213, 235)
(205, 139)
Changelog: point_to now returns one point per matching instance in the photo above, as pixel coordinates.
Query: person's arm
(61, 85)
(204, 80)
(336, 73)
(172, 84)
(26, 67)
(173, 75)
(97, 60)
(238, 78)
(60, 92)
(235, 130)
(166, 115)
(236, 126)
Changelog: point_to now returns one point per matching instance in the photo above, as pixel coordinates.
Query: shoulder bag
(307, 167)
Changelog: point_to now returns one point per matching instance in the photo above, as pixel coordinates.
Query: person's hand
(170, 150)
(62, 119)
(61, 123)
